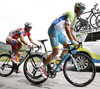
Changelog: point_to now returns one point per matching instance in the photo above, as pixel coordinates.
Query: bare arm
(73, 34)
(22, 39)
(32, 40)
(67, 29)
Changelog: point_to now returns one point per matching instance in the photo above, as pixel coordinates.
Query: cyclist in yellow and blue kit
(64, 23)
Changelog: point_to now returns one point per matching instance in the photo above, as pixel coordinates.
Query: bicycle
(7, 66)
(71, 69)
(92, 20)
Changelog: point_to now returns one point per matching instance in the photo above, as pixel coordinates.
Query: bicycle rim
(82, 77)
(98, 20)
(93, 21)
(32, 71)
(6, 65)
(78, 26)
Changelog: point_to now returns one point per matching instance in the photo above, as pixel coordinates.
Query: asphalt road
(18, 81)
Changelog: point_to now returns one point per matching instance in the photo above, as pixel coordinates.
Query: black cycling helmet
(80, 5)
(27, 24)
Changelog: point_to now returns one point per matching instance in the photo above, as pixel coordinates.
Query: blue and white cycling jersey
(68, 17)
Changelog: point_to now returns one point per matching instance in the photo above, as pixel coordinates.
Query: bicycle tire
(78, 26)
(33, 75)
(94, 25)
(98, 20)
(79, 78)
(6, 65)
(82, 26)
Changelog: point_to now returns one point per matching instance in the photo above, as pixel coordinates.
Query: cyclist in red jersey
(13, 37)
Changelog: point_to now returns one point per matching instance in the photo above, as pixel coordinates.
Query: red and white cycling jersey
(15, 34)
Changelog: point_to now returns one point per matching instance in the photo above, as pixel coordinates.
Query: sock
(14, 56)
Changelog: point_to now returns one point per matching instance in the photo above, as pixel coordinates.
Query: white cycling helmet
(27, 24)
(80, 5)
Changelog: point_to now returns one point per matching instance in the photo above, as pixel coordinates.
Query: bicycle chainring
(51, 73)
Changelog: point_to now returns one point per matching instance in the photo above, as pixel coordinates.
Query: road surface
(18, 81)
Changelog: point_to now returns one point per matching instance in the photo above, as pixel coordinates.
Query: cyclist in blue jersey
(64, 23)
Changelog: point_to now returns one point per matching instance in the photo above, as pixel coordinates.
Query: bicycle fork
(74, 61)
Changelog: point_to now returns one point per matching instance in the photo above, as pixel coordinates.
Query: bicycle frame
(26, 56)
(23, 60)
(89, 14)
(63, 59)
(92, 12)
(67, 55)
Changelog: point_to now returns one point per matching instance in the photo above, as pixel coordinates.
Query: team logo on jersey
(70, 20)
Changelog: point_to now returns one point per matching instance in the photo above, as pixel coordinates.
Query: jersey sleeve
(20, 31)
(28, 34)
(71, 18)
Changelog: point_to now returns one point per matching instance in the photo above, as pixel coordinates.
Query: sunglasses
(82, 10)
(29, 27)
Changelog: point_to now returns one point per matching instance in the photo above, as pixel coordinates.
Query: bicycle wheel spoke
(6, 65)
(32, 69)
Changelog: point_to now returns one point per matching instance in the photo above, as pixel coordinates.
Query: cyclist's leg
(17, 47)
(51, 56)
(64, 42)
(17, 53)
(65, 45)
(54, 43)
(53, 35)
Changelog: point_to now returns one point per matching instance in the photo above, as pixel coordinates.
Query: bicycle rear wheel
(32, 69)
(80, 77)
(94, 21)
(6, 65)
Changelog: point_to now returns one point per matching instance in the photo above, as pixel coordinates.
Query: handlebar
(95, 5)
(70, 49)
(92, 9)
(80, 44)
(36, 47)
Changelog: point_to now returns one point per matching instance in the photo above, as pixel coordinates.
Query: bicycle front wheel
(6, 65)
(79, 77)
(32, 69)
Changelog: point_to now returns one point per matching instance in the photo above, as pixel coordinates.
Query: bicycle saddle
(42, 41)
